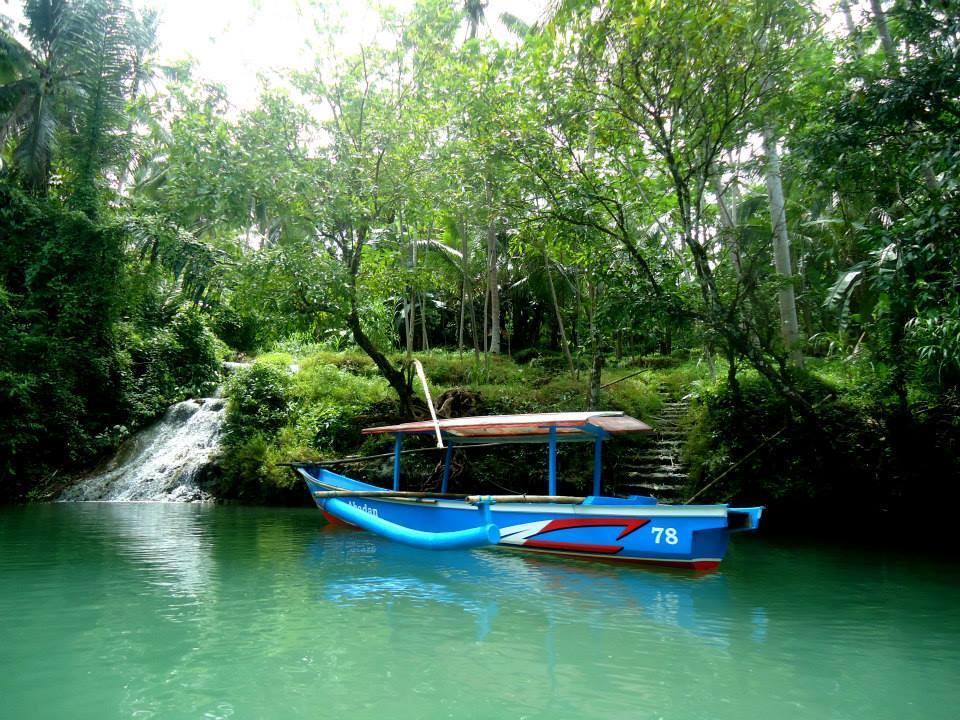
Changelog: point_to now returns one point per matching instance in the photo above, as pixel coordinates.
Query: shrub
(259, 404)
(775, 457)
(165, 365)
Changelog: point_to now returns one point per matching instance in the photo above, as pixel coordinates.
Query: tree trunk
(423, 322)
(463, 313)
(728, 202)
(880, 23)
(848, 18)
(464, 280)
(467, 296)
(596, 365)
(395, 377)
(556, 309)
(486, 320)
(411, 314)
(711, 364)
(492, 269)
(789, 327)
(851, 28)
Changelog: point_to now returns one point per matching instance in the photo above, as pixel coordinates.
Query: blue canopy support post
(398, 443)
(447, 458)
(552, 463)
(597, 465)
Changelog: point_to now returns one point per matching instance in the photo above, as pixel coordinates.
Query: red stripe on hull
(629, 525)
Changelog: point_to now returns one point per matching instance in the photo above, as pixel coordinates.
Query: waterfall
(162, 462)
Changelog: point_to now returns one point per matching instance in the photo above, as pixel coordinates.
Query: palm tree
(81, 62)
(474, 15)
(40, 81)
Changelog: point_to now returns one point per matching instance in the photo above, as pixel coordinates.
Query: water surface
(183, 611)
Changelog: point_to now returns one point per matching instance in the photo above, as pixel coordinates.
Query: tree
(43, 83)
(688, 79)
(879, 142)
(69, 88)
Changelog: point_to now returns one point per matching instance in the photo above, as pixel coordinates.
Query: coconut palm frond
(454, 256)
(108, 55)
(515, 25)
(15, 58)
(15, 104)
(34, 153)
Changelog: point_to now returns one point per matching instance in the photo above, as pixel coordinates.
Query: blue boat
(621, 529)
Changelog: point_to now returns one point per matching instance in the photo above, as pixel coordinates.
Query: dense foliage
(734, 181)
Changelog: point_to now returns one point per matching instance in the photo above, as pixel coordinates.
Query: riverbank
(855, 467)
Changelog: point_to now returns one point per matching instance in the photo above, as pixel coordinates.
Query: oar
(325, 494)
(500, 499)
(472, 499)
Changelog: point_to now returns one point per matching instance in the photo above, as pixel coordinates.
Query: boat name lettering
(364, 508)
(667, 535)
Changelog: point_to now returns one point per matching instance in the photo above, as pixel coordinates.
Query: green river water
(187, 611)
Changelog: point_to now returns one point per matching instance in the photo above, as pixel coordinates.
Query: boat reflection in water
(492, 584)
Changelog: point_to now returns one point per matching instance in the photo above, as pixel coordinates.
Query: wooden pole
(396, 461)
(597, 464)
(552, 463)
(324, 494)
(501, 499)
(473, 499)
(426, 392)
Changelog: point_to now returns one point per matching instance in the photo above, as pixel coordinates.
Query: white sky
(233, 41)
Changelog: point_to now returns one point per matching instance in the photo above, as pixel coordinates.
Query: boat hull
(609, 529)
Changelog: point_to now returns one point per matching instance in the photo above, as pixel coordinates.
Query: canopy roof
(534, 426)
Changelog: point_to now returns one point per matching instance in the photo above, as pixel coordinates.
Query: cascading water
(163, 461)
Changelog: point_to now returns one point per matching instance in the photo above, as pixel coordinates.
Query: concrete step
(659, 490)
(641, 471)
(652, 463)
(659, 461)
(650, 472)
(648, 476)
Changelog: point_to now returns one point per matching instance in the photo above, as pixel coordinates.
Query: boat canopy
(533, 427)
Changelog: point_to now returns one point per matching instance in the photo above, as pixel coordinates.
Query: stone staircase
(654, 467)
